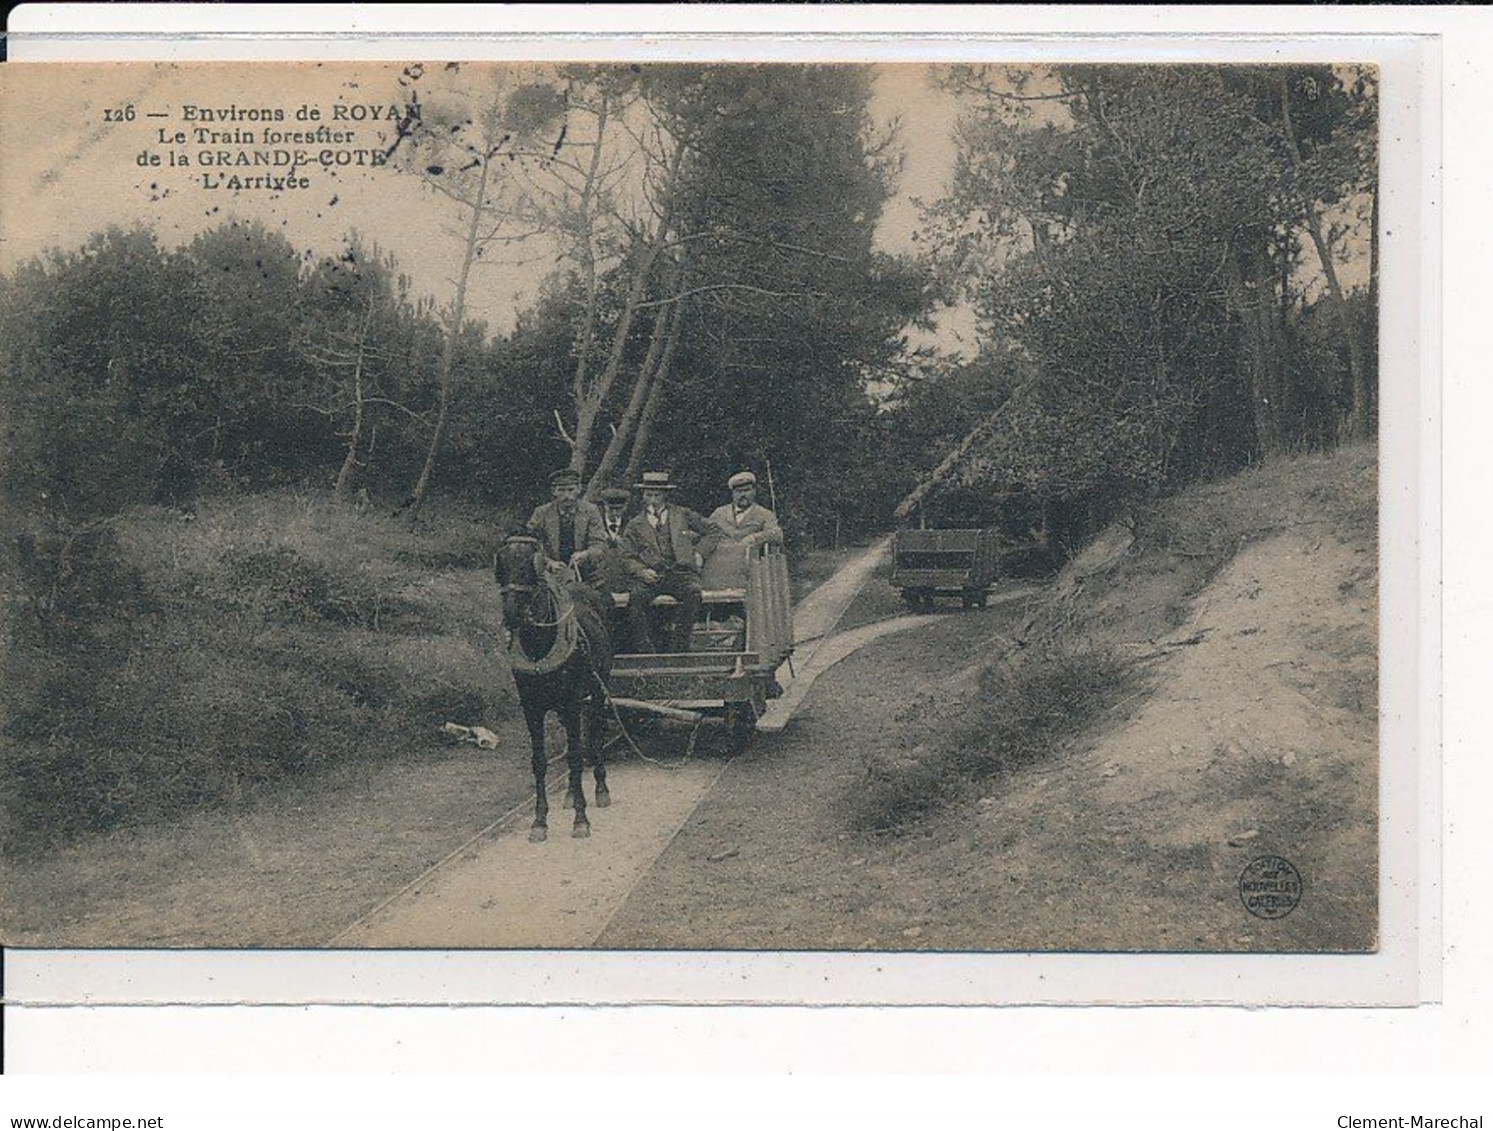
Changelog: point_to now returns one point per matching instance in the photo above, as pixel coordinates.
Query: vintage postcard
(808, 515)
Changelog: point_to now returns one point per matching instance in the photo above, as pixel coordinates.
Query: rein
(515, 587)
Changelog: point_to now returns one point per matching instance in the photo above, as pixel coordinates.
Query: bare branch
(564, 435)
(735, 236)
(746, 288)
(335, 410)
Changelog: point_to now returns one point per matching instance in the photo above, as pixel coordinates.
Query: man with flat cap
(605, 569)
(746, 524)
(664, 548)
(571, 531)
(608, 566)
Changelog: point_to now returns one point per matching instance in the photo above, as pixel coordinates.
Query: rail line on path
(552, 788)
(498, 891)
(507, 893)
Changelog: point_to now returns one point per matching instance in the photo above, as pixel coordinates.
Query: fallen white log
(681, 715)
(947, 464)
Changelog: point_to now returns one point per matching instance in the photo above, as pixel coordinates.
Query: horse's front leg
(534, 719)
(575, 756)
(594, 718)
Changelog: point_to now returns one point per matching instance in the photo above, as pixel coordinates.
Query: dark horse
(561, 655)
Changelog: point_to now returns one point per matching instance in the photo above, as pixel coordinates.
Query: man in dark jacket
(664, 548)
(605, 570)
(571, 532)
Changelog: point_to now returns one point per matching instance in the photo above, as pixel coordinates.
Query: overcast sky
(66, 171)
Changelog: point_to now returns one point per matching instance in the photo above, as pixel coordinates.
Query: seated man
(745, 524)
(605, 569)
(664, 548)
(570, 531)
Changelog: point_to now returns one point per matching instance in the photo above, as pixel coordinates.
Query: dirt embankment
(1250, 732)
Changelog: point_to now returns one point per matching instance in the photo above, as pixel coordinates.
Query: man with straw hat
(664, 548)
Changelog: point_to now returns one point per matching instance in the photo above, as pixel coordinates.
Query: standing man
(665, 547)
(570, 531)
(746, 524)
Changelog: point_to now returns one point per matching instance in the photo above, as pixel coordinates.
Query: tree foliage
(715, 265)
(1152, 242)
(791, 310)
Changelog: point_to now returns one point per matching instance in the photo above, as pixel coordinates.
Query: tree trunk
(1357, 424)
(349, 466)
(588, 408)
(350, 462)
(588, 411)
(1364, 391)
(653, 370)
(641, 383)
(588, 258)
(448, 351)
(1259, 362)
(947, 464)
(1374, 247)
(645, 423)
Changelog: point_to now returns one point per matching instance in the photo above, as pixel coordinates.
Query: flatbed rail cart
(741, 639)
(929, 563)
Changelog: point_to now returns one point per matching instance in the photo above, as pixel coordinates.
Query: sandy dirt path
(503, 892)
(816, 615)
(830, 651)
(500, 891)
(320, 859)
(814, 620)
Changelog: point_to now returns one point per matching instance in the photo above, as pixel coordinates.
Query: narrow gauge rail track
(554, 785)
(495, 890)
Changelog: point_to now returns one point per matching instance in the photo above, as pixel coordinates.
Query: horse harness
(568, 635)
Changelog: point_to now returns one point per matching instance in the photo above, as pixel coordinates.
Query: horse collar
(567, 637)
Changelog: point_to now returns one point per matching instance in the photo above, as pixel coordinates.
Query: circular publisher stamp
(1270, 887)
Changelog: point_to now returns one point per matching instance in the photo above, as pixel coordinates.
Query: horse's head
(517, 572)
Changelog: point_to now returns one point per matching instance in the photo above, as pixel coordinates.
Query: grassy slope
(1074, 658)
(265, 637)
(252, 643)
(383, 620)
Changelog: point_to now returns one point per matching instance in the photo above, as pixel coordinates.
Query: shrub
(1027, 708)
(902, 786)
(281, 585)
(77, 574)
(131, 697)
